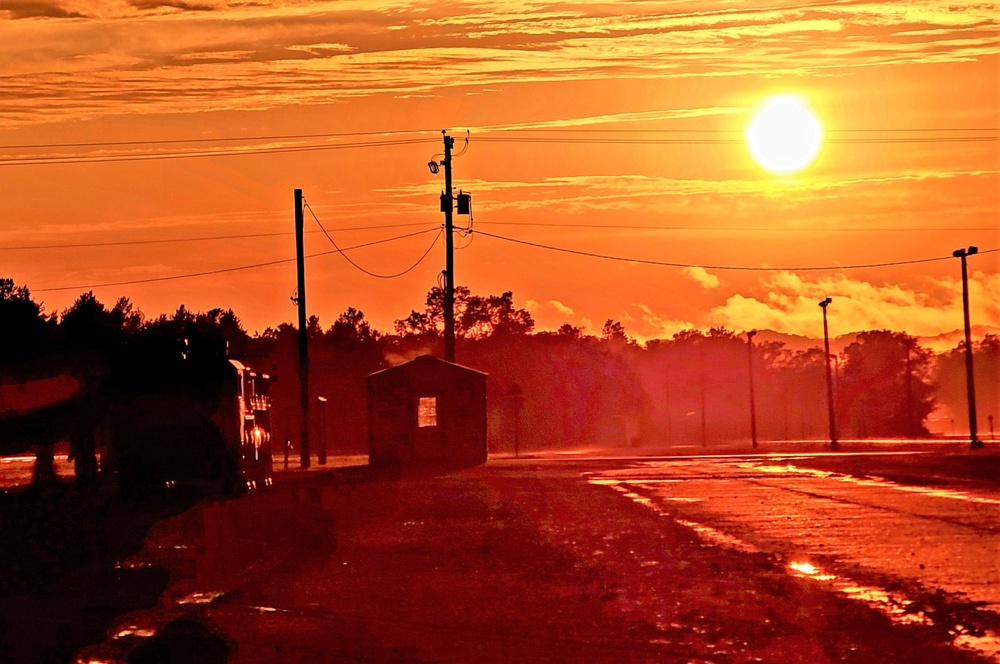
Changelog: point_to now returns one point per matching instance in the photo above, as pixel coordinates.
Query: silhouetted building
(427, 412)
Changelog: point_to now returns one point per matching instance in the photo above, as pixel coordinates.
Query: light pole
(321, 452)
(829, 376)
(517, 397)
(970, 384)
(753, 405)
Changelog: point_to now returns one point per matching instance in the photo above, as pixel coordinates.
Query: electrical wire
(368, 272)
(234, 269)
(220, 139)
(125, 243)
(742, 268)
(555, 130)
(730, 229)
(726, 141)
(591, 130)
(592, 140)
(157, 156)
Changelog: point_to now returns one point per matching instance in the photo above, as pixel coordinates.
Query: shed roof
(427, 360)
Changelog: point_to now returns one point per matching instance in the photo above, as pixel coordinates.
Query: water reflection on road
(938, 539)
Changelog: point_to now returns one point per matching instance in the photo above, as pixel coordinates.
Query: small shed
(427, 412)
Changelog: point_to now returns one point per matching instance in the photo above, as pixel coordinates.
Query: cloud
(701, 276)
(650, 325)
(468, 46)
(789, 303)
(560, 307)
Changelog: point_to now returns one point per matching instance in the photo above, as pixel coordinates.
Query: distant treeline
(560, 388)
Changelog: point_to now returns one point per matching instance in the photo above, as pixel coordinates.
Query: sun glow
(784, 135)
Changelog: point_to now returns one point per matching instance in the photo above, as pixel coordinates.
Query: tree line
(549, 389)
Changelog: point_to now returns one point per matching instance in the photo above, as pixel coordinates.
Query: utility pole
(447, 201)
(753, 405)
(300, 300)
(829, 376)
(701, 392)
(910, 429)
(970, 384)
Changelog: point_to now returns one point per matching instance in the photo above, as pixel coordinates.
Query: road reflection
(825, 523)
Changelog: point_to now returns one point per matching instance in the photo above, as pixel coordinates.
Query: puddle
(265, 609)
(200, 598)
(898, 608)
(879, 482)
(132, 630)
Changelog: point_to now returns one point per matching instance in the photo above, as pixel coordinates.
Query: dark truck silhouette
(162, 413)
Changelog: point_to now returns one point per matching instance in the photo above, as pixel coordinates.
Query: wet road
(896, 546)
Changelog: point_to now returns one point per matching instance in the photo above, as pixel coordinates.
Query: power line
(730, 229)
(582, 130)
(157, 156)
(590, 130)
(233, 269)
(368, 272)
(123, 243)
(744, 268)
(220, 139)
(727, 141)
(191, 154)
(538, 224)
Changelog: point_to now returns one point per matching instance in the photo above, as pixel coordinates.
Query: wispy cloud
(701, 276)
(322, 52)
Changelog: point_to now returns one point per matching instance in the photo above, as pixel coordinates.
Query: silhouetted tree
(885, 387)
(25, 331)
(950, 376)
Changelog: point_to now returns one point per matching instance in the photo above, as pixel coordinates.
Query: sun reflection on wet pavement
(934, 538)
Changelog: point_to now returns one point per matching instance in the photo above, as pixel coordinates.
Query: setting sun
(784, 135)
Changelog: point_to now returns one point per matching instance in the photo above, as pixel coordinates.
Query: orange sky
(105, 71)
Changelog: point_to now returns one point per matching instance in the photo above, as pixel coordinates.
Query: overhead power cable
(591, 130)
(481, 131)
(369, 272)
(726, 141)
(742, 268)
(234, 269)
(219, 139)
(730, 229)
(158, 156)
(123, 243)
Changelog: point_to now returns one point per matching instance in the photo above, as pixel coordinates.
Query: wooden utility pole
(300, 300)
(447, 205)
(753, 403)
(970, 383)
(831, 416)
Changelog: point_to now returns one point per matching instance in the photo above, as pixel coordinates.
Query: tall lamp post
(753, 405)
(829, 376)
(970, 384)
(321, 452)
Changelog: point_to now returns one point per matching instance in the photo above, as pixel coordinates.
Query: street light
(517, 398)
(753, 406)
(829, 376)
(970, 384)
(321, 452)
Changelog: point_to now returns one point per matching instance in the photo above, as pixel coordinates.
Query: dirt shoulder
(510, 562)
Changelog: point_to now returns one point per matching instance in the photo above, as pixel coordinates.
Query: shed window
(427, 415)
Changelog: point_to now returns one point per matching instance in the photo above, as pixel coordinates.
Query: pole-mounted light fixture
(829, 376)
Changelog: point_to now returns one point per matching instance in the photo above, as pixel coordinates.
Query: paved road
(729, 559)
(897, 546)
